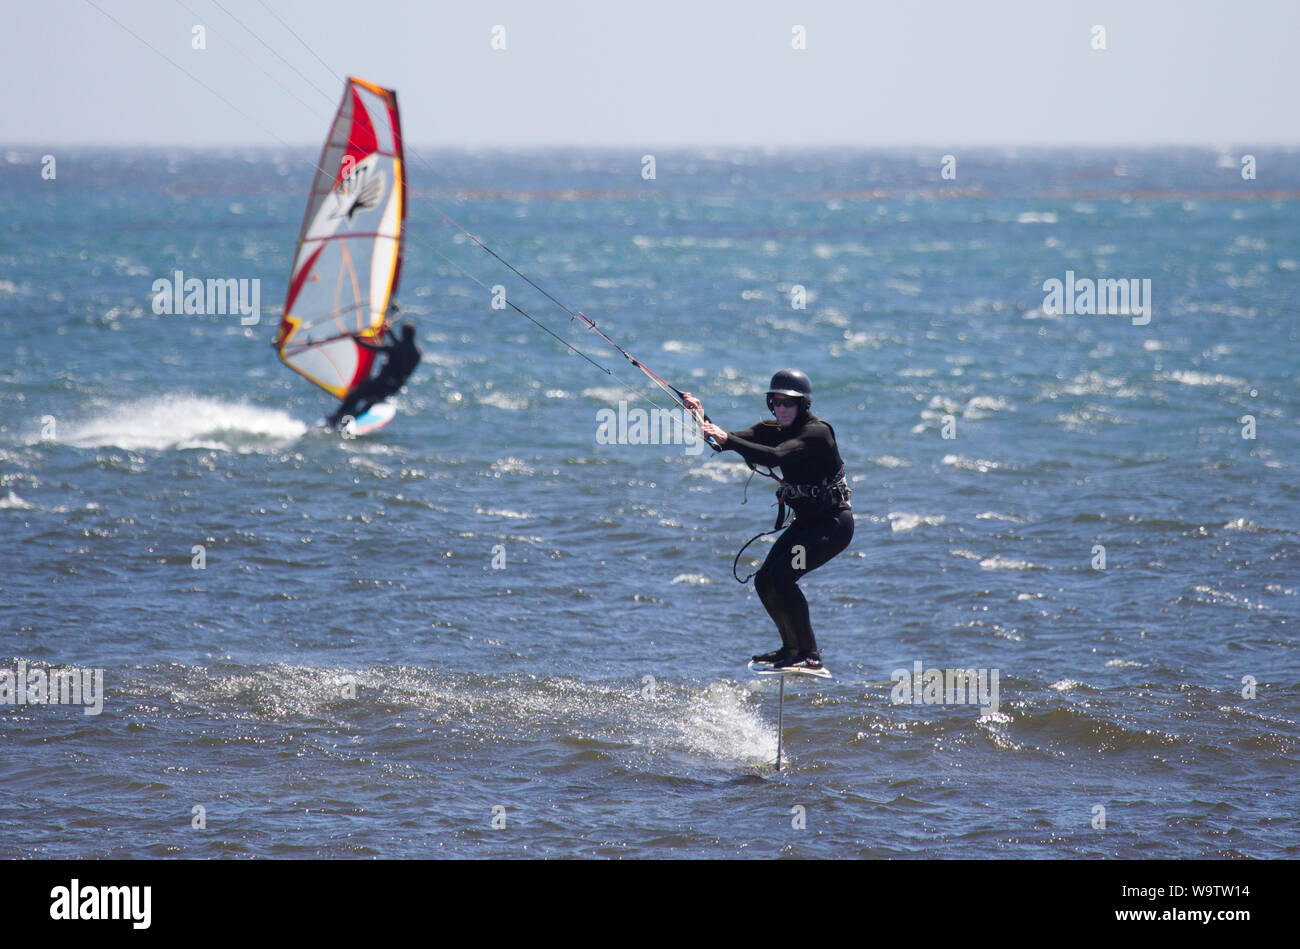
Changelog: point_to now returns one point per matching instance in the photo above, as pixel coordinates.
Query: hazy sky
(657, 73)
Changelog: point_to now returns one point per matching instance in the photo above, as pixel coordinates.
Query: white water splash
(720, 721)
(178, 422)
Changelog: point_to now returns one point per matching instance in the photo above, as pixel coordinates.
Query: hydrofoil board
(765, 669)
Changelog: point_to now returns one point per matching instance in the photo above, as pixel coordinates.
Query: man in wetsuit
(814, 486)
(403, 356)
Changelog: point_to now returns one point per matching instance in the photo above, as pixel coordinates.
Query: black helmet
(791, 382)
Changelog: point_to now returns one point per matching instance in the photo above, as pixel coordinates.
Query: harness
(831, 494)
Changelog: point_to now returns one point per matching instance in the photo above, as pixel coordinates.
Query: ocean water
(485, 633)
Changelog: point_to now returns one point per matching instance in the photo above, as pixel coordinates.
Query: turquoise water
(351, 674)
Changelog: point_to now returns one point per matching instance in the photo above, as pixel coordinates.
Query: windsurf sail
(349, 253)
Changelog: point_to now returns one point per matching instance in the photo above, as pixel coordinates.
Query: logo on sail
(360, 189)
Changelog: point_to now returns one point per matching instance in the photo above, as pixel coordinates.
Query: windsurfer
(814, 486)
(403, 355)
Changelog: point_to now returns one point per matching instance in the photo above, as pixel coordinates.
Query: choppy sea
(486, 632)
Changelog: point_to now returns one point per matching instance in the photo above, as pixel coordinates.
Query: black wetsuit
(807, 456)
(403, 357)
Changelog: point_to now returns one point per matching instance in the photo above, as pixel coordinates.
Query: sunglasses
(784, 403)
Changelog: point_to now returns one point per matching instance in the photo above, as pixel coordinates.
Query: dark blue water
(351, 675)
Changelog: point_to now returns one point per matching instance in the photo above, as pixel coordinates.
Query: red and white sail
(350, 247)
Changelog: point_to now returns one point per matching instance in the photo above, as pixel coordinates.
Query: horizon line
(679, 146)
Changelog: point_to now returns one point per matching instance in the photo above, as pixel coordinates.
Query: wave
(512, 466)
(1067, 729)
(1005, 563)
(983, 406)
(1068, 685)
(503, 512)
(981, 465)
(721, 470)
(1191, 378)
(500, 400)
(14, 503)
(1250, 527)
(900, 521)
(889, 461)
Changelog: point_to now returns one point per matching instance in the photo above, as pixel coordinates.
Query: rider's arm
(749, 446)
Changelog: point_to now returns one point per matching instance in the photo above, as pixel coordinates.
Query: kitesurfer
(813, 484)
(403, 355)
